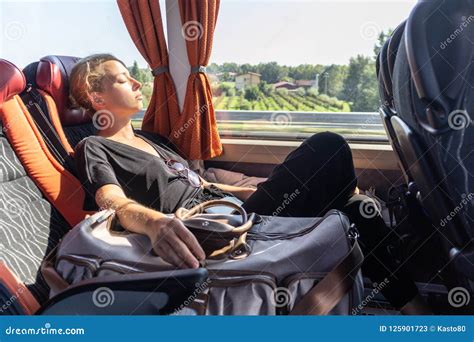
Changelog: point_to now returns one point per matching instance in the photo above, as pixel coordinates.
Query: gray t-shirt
(143, 177)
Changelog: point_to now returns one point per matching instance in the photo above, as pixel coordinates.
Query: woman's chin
(138, 107)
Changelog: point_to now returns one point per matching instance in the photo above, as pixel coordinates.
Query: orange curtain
(196, 131)
(143, 21)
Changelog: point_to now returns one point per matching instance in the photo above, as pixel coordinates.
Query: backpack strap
(323, 297)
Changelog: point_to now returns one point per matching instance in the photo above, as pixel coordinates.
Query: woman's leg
(318, 176)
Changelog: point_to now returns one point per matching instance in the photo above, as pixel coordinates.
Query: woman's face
(120, 93)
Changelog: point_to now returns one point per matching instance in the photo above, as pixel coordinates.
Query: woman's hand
(205, 183)
(173, 242)
(240, 192)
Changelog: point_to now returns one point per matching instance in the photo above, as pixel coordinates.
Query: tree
(231, 92)
(271, 72)
(360, 86)
(312, 92)
(135, 72)
(305, 71)
(252, 93)
(336, 75)
(301, 91)
(382, 38)
(265, 88)
(230, 67)
(245, 68)
(213, 68)
(226, 77)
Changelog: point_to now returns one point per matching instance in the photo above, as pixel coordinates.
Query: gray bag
(291, 265)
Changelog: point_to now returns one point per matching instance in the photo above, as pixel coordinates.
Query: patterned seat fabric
(29, 226)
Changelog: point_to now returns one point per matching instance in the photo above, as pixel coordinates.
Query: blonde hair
(86, 77)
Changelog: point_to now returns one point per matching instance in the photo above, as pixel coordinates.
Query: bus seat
(30, 227)
(14, 295)
(387, 109)
(58, 185)
(434, 101)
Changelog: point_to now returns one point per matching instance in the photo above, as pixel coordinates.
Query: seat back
(30, 227)
(50, 76)
(387, 108)
(15, 297)
(434, 100)
(57, 184)
(46, 120)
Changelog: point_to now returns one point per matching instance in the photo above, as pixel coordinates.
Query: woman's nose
(136, 84)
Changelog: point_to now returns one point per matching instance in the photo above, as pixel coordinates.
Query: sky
(290, 32)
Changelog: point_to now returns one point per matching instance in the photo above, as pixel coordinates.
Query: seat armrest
(155, 293)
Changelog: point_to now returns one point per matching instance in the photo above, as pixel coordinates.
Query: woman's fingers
(176, 244)
(175, 248)
(190, 240)
(180, 248)
(166, 252)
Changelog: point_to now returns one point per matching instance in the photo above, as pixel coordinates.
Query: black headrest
(439, 44)
(393, 46)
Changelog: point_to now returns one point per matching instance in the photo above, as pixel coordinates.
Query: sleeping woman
(143, 176)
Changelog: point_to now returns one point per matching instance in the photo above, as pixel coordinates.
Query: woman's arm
(240, 192)
(170, 239)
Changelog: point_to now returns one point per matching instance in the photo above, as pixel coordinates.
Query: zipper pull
(103, 217)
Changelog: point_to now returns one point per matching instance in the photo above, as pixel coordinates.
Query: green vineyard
(282, 101)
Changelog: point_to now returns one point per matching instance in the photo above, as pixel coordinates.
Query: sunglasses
(191, 176)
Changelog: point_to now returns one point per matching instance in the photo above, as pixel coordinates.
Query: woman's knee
(329, 141)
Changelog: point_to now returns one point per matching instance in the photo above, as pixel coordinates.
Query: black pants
(319, 175)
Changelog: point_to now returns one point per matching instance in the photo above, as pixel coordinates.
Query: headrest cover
(53, 77)
(384, 69)
(12, 81)
(393, 46)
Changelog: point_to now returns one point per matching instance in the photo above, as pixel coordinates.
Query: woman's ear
(96, 100)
